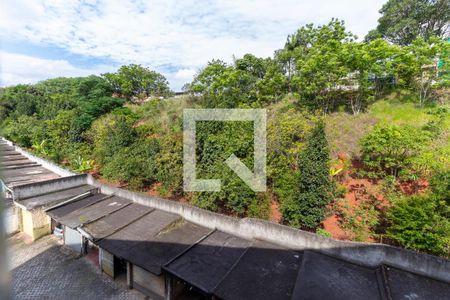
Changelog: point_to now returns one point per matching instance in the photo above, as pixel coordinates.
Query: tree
(369, 65)
(137, 81)
(321, 64)
(404, 20)
(249, 81)
(422, 66)
(315, 188)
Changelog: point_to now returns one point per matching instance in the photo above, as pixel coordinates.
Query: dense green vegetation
(404, 20)
(315, 188)
(384, 105)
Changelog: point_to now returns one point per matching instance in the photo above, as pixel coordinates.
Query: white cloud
(17, 68)
(181, 34)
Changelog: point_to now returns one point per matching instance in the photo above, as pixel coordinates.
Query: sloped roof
(137, 232)
(94, 212)
(16, 169)
(325, 277)
(61, 211)
(265, 271)
(208, 262)
(49, 199)
(117, 220)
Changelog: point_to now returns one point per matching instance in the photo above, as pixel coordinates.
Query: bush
(359, 221)
(110, 134)
(134, 165)
(390, 149)
(418, 223)
(169, 163)
(216, 141)
(323, 232)
(26, 131)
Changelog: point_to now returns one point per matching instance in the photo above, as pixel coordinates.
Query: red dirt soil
(355, 189)
(275, 214)
(153, 189)
(355, 192)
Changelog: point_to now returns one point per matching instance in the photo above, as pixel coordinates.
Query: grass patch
(399, 113)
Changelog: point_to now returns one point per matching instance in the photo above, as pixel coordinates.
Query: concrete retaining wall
(49, 186)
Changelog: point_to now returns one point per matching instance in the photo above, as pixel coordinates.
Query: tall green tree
(404, 20)
(137, 81)
(321, 64)
(249, 81)
(315, 187)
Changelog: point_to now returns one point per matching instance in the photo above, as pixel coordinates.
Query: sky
(46, 39)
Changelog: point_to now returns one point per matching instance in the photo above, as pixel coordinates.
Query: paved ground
(47, 270)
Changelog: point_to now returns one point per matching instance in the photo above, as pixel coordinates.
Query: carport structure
(74, 214)
(146, 244)
(34, 199)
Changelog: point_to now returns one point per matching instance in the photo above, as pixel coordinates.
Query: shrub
(216, 141)
(26, 131)
(323, 232)
(169, 163)
(418, 223)
(110, 134)
(359, 221)
(389, 149)
(134, 165)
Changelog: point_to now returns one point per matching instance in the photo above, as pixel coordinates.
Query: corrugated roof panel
(406, 285)
(47, 200)
(140, 231)
(325, 277)
(207, 263)
(265, 271)
(94, 212)
(155, 252)
(116, 220)
(66, 209)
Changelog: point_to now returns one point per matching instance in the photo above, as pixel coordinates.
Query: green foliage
(315, 188)
(321, 64)
(250, 81)
(389, 149)
(169, 163)
(216, 141)
(440, 186)
(110, 134)
(359, 221)
(75, 121)
(420, 223)
(88, 112)
(26, 131)
(82, 165)
(323, 232)
(40, 148)
(137, 81)
(404, 20)
(287, 132)
(134, 165)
